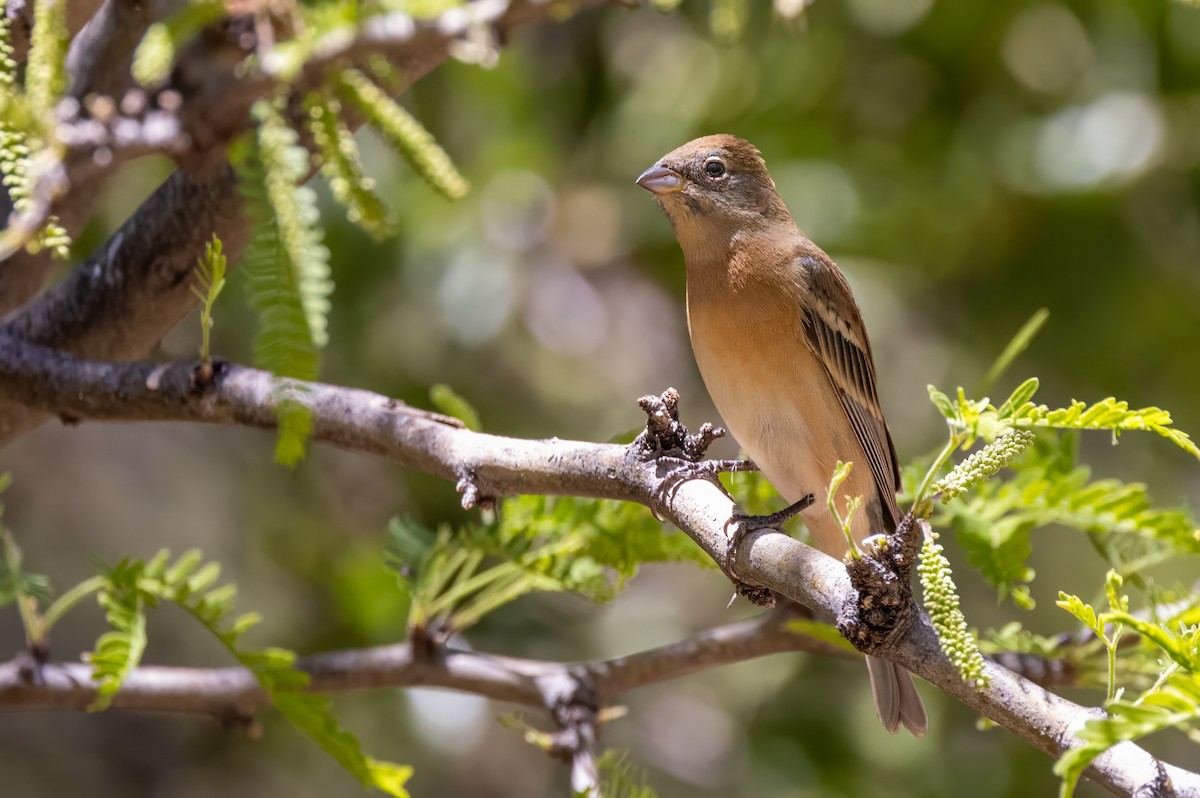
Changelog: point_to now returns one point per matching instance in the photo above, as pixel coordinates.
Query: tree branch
(205, 104)
(97, 62)
(221, 692)
(136, 287)
(489, 466)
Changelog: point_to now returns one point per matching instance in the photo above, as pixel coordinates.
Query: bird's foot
(738, 527)
(683, 470)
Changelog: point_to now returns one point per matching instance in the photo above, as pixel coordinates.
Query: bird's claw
(740, 525)
(753, 523)
(684, 470)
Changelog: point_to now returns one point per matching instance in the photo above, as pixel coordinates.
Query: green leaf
(980, 418)
(155, 55)
(210, 279)
(1019, 397)
(452, 404)
(288, 270)
(995, 523)
(21, 138)
(187, 582)
(840, 472)
(1082, 611)
(620, 778)
(16, 584)
(1019, 343)
(46, 64)
(119, 651)
(1107, 414)
(1182, 647)
(400, 129)
(312, 715)
(297, 218)
(998, 549)
(342, 167)
(1175, 703)
(587, 546)
(943, 404)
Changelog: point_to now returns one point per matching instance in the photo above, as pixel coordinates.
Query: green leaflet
(15, 583)
(995, 523)
(22, 123)
(46, 67)
(287, 269)
(455, 578)
(538, 544)
(621, 778)
(155, 55)
(447, 401)
(188, 581)
(980, 418)
(1173, 701)
(408, 136)
(210, 279)
(297, 219)
(1174, 704)
(119, 651)
(342, 167)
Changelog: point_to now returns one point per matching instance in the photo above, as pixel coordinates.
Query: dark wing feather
(836, 333)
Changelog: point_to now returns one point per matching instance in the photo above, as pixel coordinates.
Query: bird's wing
(836, 333)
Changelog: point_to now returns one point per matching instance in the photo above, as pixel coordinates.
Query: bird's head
(717, 182)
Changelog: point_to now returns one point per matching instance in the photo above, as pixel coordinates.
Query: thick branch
(491, 466)
(98, 62)
(124, 299)
(136, 287)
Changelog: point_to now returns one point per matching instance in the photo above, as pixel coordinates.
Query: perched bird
(784, 354)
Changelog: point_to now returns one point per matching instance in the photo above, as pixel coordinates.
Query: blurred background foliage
(965, 163)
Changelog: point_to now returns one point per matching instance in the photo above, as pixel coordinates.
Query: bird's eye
(714, 168)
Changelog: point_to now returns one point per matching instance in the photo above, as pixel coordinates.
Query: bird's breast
(773, 393)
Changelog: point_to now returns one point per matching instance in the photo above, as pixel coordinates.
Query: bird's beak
(658, 179)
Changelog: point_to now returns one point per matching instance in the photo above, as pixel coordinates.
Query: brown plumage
(784, 354)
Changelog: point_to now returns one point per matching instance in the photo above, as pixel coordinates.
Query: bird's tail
(896, 698)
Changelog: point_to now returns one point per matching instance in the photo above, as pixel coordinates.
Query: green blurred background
(965, 162)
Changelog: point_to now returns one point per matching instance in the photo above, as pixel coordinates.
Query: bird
(781, 345)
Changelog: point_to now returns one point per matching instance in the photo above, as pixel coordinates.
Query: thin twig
(219, 691)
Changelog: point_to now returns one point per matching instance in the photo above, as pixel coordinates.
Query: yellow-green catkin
(942, 604)
(983, 464)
